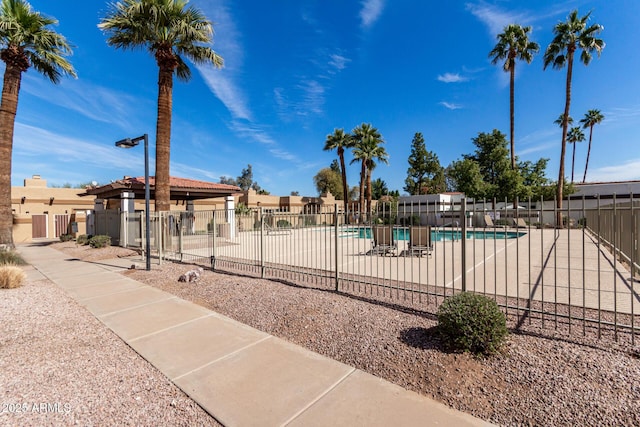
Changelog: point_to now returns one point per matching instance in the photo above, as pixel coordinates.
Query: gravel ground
(60, 366)
(540, 379)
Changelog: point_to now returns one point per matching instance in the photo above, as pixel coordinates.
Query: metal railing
(582, 277)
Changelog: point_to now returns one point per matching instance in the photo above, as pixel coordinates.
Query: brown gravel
(60, 366)
(542, 378)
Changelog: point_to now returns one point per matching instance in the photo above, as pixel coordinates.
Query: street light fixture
(130, 143)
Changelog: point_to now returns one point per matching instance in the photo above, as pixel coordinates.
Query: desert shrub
(410, 220)
(11, 277)
(66, 237)
(10, 258)
(100, 241)
(471, 322)
(83, 239)
(283, 223)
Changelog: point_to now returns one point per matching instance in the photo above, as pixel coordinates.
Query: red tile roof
(176, 182)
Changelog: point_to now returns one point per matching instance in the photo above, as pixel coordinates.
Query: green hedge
(100, 241)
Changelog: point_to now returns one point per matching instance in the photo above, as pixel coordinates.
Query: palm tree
(591, 118)
(170, 30)
(339, 140)
(25, 41)
(367, 150)
(560, 120)
(574, 136)
(360, 134)
(513, 43)
(570, 35)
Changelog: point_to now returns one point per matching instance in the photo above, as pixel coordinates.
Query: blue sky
(295, 70)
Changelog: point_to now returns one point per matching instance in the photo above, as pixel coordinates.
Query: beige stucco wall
(35, 198)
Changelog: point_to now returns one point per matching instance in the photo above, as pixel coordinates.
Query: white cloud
(450, 105)
(452, 78)
(494, 18)
(370, 12)
(338, 62)
(630, 170)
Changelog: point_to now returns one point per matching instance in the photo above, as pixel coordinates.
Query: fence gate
(38, 226)
(61, 225)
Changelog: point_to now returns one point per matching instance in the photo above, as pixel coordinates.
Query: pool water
(436, 235)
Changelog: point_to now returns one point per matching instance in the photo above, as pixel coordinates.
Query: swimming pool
(402, 233)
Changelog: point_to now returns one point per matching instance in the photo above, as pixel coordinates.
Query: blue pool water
(436, 235)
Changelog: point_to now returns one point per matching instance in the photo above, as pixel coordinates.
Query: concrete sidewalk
(241, 376)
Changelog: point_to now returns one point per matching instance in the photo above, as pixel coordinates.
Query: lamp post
(130, 143)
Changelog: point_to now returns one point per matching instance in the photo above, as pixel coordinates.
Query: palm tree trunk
(573, 160)
(368, 193)
(363, 177)
(565, 125)
(163, 139)
(8, 109)
(345, 189)
(586, 165)
(512, 115)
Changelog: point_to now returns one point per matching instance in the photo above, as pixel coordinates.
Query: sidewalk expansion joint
(226, 356)
(133, 307)
(82, 300)
(177, 325)
(320, 396)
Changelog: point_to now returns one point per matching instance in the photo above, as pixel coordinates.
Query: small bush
(10, 258)
(11, 277)
(410, 220)
(100, 241)
(471, 322)
(283, 223)
(66, 237)
(83, 239)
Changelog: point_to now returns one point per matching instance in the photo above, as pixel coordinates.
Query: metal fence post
(463, 240)
(261, 214)
(335, 220)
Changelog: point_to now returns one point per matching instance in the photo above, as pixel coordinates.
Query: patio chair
(383, 241)
(488, 221)
(519, 223)
(420, 241)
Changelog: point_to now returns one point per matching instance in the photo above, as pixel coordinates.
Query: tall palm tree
(560, 120)
(170, 30)
(571, 35)
(513, 44)
(591, 118)
(367, 150)
(26, 40)
(361, 135)
(574, 136)
(339, 140)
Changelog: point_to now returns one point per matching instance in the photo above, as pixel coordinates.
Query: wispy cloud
(452, 78)
(629, 170)
(92, 101)
(370, 12)
(495, 18)
(450, 105)
(338, 62)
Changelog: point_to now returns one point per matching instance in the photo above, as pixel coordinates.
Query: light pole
(129, 143)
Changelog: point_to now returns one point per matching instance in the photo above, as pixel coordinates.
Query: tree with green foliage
(570, 35)
(367, 150)
(574, 136)
(339, 141)
(245, 180)
(228, 180)
(26, 41)
(328, 181)
(171, 31)
(465, 176)
(591, 118)
(513, 44)
(425, 175)
(379, 188)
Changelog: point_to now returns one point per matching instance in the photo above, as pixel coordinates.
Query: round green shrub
(100, 241)
(471, 322)
(83, 239)
(66, 237)
(283, 223)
